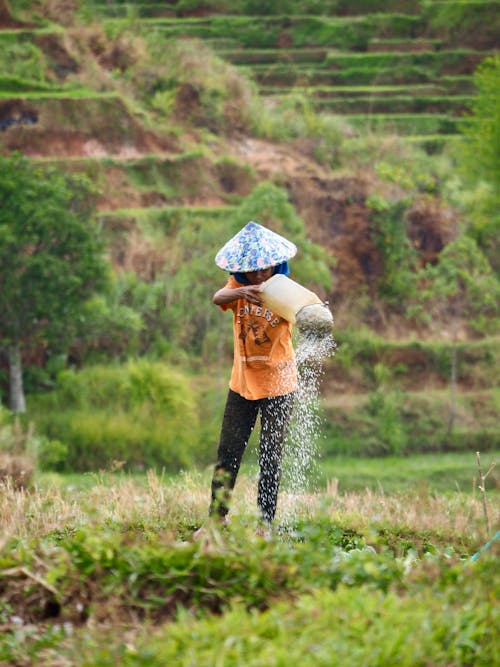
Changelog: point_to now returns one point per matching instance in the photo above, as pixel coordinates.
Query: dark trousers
(239, 420)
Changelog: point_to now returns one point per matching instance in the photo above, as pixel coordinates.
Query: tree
(479, 160)
(51, 260)
(481, 157)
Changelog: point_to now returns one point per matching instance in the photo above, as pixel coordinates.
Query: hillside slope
(177, 139)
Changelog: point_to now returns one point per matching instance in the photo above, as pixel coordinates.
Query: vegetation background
(135, 138)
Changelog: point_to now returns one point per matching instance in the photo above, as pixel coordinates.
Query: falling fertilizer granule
(314, 322)
(315, 345)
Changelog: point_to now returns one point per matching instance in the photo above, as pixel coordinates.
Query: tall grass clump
(17, 455)
(139, 415)
(192, 84)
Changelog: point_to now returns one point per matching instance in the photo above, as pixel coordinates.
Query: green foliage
(50, 252)
(142, 414)
(390, 434)
(482, 130)
(462, 284)
(23, 60)
(397, 281)
(263, 7)
(194, 83)
(414, 361)
(14, 84)
(236, 597)
(479, 159)
(347, 626)
(397, 422)
(111, 328)
(473, 23)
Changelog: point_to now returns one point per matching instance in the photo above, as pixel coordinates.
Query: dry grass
(458, 515)
(16, 470)
(157, 503)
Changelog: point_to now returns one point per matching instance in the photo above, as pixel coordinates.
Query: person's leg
(275, 418)
(239, 419)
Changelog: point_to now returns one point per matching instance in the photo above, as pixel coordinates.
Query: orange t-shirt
(264, 358)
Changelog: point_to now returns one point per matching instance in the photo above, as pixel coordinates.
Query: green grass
(8, 36)
(25, 90)
(104, 570)
(417, 103)
(184, 211)
(326, 91)
(399, 44)
(272, 56)
(458, 59)
(432, 473)
(238, 7)
(14, 84)
(434, 144)
(290, 73)
(348, 33)
(293, 7)
(444, 473)
(61, 95)
(405, 123)
(324, 630)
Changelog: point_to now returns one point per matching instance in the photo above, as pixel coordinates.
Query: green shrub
(143, 414)
(111, 328)
(390, 422)
(390, 229)
(23, 60)
(479, 161)
(330, 630)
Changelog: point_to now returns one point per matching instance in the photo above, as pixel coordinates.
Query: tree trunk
(17, 402)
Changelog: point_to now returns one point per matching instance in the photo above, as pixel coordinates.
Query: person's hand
(253, 294)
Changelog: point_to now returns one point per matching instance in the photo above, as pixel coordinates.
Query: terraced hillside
(171, 167)
(385, 66)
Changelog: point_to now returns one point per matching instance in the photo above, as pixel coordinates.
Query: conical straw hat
(254, 247)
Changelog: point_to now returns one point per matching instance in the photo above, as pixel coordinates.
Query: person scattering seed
(264, 375)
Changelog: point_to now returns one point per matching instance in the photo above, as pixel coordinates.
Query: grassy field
(435, 473)
(102, 569)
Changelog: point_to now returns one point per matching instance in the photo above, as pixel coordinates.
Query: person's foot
(263, 530)
(219, 522)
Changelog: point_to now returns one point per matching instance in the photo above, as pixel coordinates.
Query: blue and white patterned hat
(254, 247)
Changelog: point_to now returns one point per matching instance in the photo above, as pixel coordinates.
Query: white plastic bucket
(286, 298)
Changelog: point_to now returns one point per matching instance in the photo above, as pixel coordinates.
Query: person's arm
(227, 295)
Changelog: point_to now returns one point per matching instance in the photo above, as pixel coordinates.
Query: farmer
(263, 377)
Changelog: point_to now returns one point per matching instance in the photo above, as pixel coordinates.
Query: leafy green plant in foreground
(349, 598)
(328, 629)
(83, 568)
